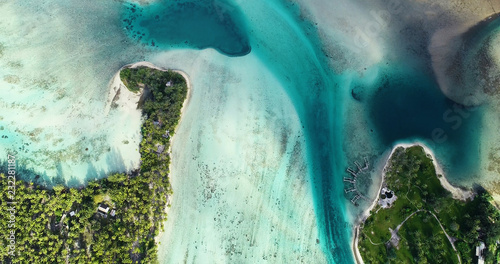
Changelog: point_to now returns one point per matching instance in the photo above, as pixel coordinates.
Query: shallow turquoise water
(403, 103)
(288, 45)
(289, 49)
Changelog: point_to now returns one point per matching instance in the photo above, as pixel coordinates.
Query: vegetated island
(112, 220)
(416, 220)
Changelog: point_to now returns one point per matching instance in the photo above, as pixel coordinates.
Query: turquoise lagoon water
(200, 24)
(260, 154)
(403, 103)
(278, 39)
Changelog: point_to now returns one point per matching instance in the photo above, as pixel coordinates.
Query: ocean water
(284, 98)
(56, 62)
(241, 188)
(407, 104)
(249, 170)
(287, 44)
(481, 66)
(195, 24)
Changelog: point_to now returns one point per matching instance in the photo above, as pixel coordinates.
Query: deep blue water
(407, 104)
(193, 24)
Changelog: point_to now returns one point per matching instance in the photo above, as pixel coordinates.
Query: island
(111, 220)
(419, 217)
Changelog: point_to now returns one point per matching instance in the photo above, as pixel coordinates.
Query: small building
(103, 209)
(72, 213)
(480, 253)
(167, 134)
(168, 84)
(113, 212)
(160, 149)
(386, 198)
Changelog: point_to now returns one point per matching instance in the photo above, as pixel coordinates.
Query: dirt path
(447, 236)
(394, 233)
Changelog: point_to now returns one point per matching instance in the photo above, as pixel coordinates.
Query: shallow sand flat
(489, 175)
(383, 32)
(358, 34)
(241, 192)
(239, 167)
(445, 44)
(54, 80)
(482, 90)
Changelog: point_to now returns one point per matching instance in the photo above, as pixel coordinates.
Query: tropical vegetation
(63, 225)
(438, 228)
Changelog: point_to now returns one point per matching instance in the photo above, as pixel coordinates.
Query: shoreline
(456, 192)
(133, 99)
(184, 75)
(116, 84)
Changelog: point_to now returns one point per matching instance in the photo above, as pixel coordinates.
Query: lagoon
(280, 106)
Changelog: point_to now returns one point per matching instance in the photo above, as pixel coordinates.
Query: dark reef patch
(473, 70)
(357, 93)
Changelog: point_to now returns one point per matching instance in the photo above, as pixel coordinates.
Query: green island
(111, 220)
(416, 220)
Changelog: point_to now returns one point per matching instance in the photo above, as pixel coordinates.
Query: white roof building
(160, 149)
(103, 209)
(479, 253)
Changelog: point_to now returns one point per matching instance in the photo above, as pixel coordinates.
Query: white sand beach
(185, 75)
(55, 77)
(132, 103)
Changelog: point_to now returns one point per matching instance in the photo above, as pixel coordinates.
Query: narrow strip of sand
(456, 192)
(184, 105)
(130, 100)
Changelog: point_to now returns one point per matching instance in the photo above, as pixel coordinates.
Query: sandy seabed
(239, 177)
